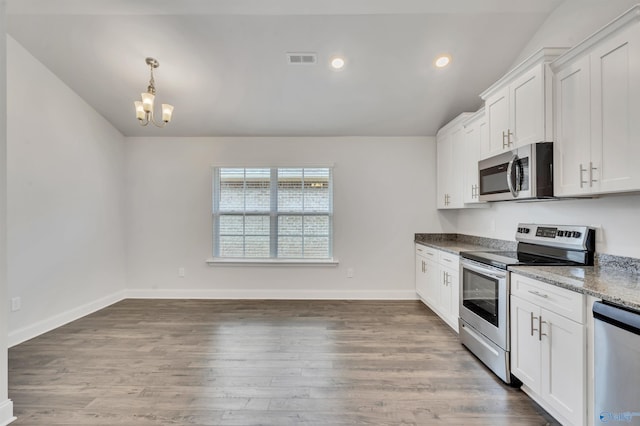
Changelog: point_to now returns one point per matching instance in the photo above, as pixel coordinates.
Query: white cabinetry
(475, 136)
(450, 148)
(548, 346)
(518, 107)
(427, 273)
(597, 111)
(437, 282)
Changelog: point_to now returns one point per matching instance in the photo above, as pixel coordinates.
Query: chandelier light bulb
(167, 112)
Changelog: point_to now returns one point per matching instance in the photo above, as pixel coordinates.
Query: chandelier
(144, 108)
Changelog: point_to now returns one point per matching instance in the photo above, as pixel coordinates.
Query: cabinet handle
(582, 182)
(509, 141)
(504, 136)
(591, 169)
(444, 278)
(540, 333)
(532, 319)
(537, 293)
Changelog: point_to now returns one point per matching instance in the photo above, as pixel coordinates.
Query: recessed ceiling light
(442, 61)
(337, 63)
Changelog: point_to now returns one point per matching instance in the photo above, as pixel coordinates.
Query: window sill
(272, 262)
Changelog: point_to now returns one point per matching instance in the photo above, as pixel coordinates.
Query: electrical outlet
(181, 272)
(16, 304)
(350, 273)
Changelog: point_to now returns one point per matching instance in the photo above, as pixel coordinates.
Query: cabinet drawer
(449, 260)
(427, 252)
(561, 301)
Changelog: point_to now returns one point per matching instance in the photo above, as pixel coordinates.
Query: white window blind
(272, 213)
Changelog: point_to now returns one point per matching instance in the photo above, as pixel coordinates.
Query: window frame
(274, 215)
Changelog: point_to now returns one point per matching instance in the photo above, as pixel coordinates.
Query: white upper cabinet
(597, 111)
(572, 115)
(475, 135)
(450, 163)
(518, 107)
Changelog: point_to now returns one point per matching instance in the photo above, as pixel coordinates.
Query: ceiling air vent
(298, 58)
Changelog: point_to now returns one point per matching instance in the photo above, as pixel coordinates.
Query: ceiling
(223, 62)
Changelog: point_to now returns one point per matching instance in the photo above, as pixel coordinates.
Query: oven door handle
(484, 271)
(511, 176)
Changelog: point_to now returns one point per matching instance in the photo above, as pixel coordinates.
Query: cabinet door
(421, 280)
(432, 283)
(444, 154)
(615, 112)
(450, 296)
(497, 116)
(572, 121)
(563, 366)
(457, 164)
(526, 108)
(525, 344)
(472, 141)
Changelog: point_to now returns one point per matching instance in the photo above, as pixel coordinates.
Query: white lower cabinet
(548, 347)
(437, 282)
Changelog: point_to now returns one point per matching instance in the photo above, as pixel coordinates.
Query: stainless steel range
(484, 286)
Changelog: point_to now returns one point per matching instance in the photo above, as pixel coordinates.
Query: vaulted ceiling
(223, 62)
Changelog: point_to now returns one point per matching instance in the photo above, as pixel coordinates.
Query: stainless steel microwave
(520, 174)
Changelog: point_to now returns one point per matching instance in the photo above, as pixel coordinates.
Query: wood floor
(202, 362)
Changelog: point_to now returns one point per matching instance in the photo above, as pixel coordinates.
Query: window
(272, 213)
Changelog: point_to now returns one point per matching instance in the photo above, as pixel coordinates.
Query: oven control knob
(560, 234)
(576, 234)
(526, 230)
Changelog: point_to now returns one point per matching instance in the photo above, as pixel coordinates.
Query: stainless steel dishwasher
(617, 364)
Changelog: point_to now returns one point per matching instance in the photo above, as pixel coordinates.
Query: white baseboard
(6, 412)
(287, 294)
(29, 332)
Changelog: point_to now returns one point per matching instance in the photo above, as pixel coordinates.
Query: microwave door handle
(510, 178)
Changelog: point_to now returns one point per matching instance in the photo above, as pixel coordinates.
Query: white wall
(65, 201)
(384, 193)
(6, 406)
(569, 24)
(573, 21)
(617, 216)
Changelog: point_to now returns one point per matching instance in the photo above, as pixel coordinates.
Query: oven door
(484, 300)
